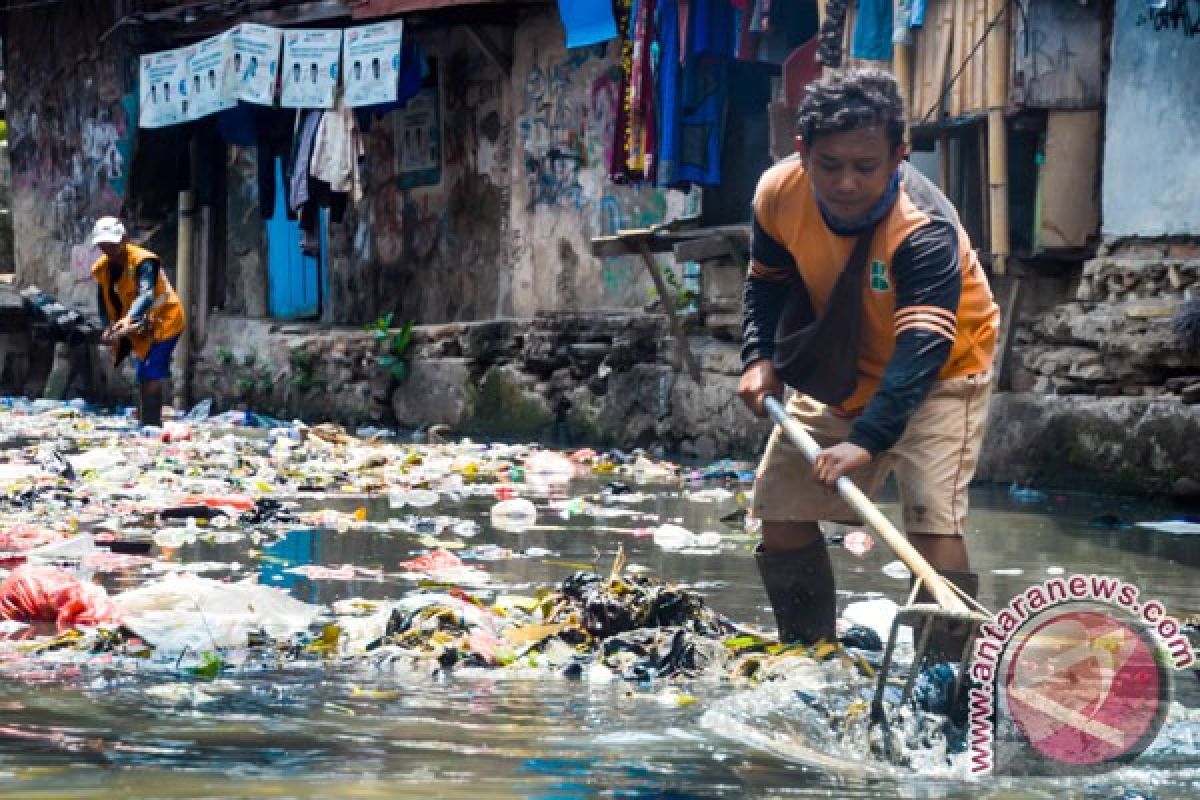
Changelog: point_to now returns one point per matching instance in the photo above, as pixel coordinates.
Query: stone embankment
(607, 379)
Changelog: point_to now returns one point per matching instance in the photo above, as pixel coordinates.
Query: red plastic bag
(37, 593)
(236, 502)
(24, 537)
(432, 562)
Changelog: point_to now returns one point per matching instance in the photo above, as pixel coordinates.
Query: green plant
(303, 371)
(224, 356)
(683, 297)
(393, 344)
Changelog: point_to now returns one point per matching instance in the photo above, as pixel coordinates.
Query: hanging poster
(256, 62)
(418, 131)
(160, 81)
(210, 81)
(310, 68)
(371, 58)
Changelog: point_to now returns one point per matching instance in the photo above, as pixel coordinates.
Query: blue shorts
(158, 361)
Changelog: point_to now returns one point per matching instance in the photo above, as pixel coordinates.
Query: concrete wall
(71, 116)
(565, 105)
(1151, 168)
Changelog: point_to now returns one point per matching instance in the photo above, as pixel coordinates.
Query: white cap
(108, 230)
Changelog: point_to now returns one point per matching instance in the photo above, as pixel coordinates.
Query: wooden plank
(710, 247)
(979, 85)
(957, 57)
(1070, 207)
(663, 241)
(942, 63)
(984, 185)
(664, 294)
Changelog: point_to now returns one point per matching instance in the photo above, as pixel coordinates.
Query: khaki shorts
(934, 461)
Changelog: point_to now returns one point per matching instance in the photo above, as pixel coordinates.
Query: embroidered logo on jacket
(879, 277)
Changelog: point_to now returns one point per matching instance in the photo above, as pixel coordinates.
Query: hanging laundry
(902, 12)
(668, 92)
(784, 27)
(918, 14)
(704, 92)
(685, 15)
(306, 131)
(336, 150)
(833, 29)
(618, 172)
(641, 123)
(714, 28)
(587, 22)
(872, 30)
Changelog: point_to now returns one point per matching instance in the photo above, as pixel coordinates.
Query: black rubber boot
(948, 639)
(150, 412)
(800, 586)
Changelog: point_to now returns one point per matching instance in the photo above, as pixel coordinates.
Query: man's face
(850, 171)
(114, 251)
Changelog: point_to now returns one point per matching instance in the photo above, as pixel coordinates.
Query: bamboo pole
(183, 287)
(902, 69)
(997, 77)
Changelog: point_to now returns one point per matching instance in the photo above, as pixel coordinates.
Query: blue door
(293, 279)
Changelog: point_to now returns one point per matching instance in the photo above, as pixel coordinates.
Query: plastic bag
(516, 514)
(37, 593)
(185, 611)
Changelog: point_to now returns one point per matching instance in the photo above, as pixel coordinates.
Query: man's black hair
(851, 99)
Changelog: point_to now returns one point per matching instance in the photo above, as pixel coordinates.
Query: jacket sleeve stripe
(939, 311)
(773, 274)
(927, 324)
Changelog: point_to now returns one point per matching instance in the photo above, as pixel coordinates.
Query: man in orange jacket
(140, 311)
(923, 356)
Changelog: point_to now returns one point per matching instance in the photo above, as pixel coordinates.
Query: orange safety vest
(166, 313)
(786, 208)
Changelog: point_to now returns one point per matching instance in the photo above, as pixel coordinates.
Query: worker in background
(139, 310)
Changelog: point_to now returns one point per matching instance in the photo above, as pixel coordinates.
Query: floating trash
(516, 514)
(1019, 494)
(858, 543)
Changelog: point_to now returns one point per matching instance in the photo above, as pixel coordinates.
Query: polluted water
(237, 605)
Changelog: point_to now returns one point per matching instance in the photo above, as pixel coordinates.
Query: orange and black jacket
(928, 312)
(138, 288)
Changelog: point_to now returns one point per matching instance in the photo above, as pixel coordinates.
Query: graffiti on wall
(566, 124)
(71, 144)
(1176, 16)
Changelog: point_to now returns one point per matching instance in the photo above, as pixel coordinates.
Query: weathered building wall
(505, 227)
(72, 115)
(429, 245)
(1152, 134)
(566, 105)
(436, 252)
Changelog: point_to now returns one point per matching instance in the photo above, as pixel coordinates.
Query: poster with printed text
(209, 79)
(418, 132)
(161, 79)
(371, 59)
(256, 62)
(310, 68)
